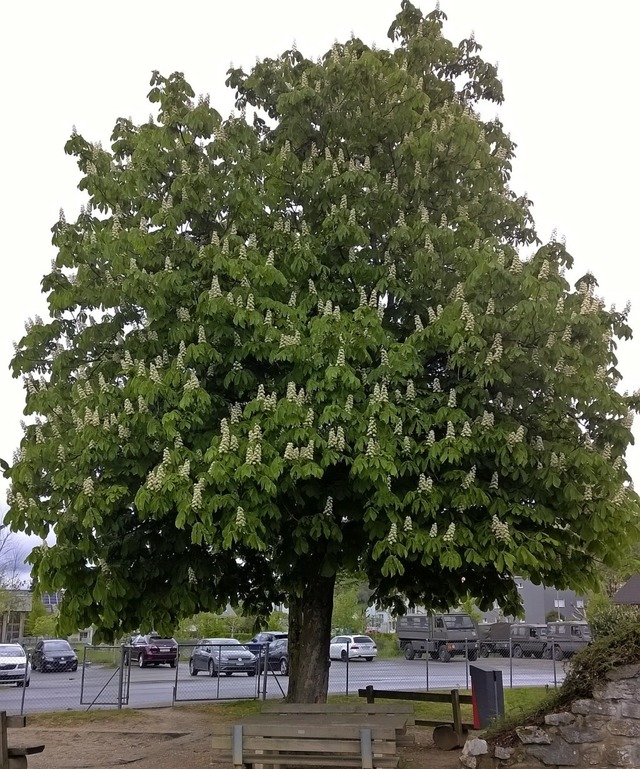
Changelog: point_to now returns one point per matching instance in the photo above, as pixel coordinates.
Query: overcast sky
(570, 79)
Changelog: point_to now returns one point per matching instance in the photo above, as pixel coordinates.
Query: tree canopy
(320, 334)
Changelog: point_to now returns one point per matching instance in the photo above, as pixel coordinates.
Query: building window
(580, 603)
(559, 603)
(83, 635)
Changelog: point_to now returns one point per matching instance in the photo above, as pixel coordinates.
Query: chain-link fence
(115, 676)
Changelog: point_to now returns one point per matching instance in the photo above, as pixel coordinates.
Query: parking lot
(98, 685)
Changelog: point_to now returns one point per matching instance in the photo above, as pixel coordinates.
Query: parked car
(54, 654)
(352, 646)
(13, 665)
(259, 641)
(493, 638)
(222, 655)
(277, 656)
(151, 649)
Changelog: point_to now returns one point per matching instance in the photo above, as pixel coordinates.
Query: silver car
(222, 655)
(344, 647)
(13, 665)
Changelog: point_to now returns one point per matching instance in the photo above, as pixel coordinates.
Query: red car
(151, 649)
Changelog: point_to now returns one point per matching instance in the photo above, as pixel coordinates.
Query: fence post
(120, 677)
(346, 678)
(427, 655)
(466, 663)
(265, 651)
(553, 657)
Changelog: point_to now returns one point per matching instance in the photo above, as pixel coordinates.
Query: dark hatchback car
(54, 654)
(151, 649)
(259, 641)
(278, 656)
(222, 655)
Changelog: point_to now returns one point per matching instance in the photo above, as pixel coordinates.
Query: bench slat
(394, 708)
(392, 694)
(309, 745)
(16, 722)
(318, 731)
(299, 759)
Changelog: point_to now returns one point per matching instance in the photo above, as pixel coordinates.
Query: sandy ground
(164, 738)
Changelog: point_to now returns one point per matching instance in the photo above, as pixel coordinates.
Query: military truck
(493, 638)
(564, 639)
(442, 636)
(528, 640)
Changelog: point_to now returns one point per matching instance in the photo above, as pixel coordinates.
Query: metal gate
(105, 678)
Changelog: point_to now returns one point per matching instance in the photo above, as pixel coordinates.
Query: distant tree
(349, 608)
(37, 612)
(322, 334)
(45, 626)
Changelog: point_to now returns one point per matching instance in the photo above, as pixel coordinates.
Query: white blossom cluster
(588, 493)
(348, 407)
(513, 438)
(254, 448)
(449, 533)
(214, 291)
(500, 529)
(494, 484)
(491, 307)
(495, 354)
(544, 270)
(193, 580)
(196, 501)
(410, 394)
(123, 432)
(487, 420)
(88, 487)
(156, 477)
(408, 524)
(192, 382)
(433, 531)
(183, 314)
(392, 536)
(431, 438)
(184, 469)
(406, 445)
(241, 520)
(228, 441)
(516, 266)
(467, 316)
(452, 398)
(292, 340)
(372, 447)
(328, 507)
(451, 431)
(425, 485)
(336, 439)
(418, 323)
(469, 478)
(380, 394)
(466, 430)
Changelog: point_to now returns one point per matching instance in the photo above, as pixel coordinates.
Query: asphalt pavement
(96, 686)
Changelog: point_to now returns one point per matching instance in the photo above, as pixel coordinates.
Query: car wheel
(546, 653)
(558, 654)
(28, 682)
(484, 651)
(192, 670)
(212, 669)
(141, 662)
(284, 666)
(409, 651)
(228, 673)
(472, 655)
(33, 665)
(443, 654)
(19, 684)
(172, 663)
(369, 659)
(250, 673)
(343, 655)
(74, 667)
(517, 651)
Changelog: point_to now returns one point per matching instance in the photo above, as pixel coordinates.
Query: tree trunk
(309, 636)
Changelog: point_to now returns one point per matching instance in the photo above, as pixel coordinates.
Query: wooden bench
(285, 742)
(342, 712)
(446, 734)
(14, 756)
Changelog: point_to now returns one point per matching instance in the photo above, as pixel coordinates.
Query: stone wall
(600, 732)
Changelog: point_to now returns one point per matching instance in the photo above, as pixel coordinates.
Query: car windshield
(458, 622)
(11, 651)
(362, 639)
(223, 641)
(58, 646)
(160, 638)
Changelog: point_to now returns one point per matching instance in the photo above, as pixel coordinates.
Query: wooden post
(457, 715)
(4, 748)
(370, 697)
(366, 749)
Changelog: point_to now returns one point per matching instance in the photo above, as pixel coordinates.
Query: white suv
(13, 665)
(344, 647)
